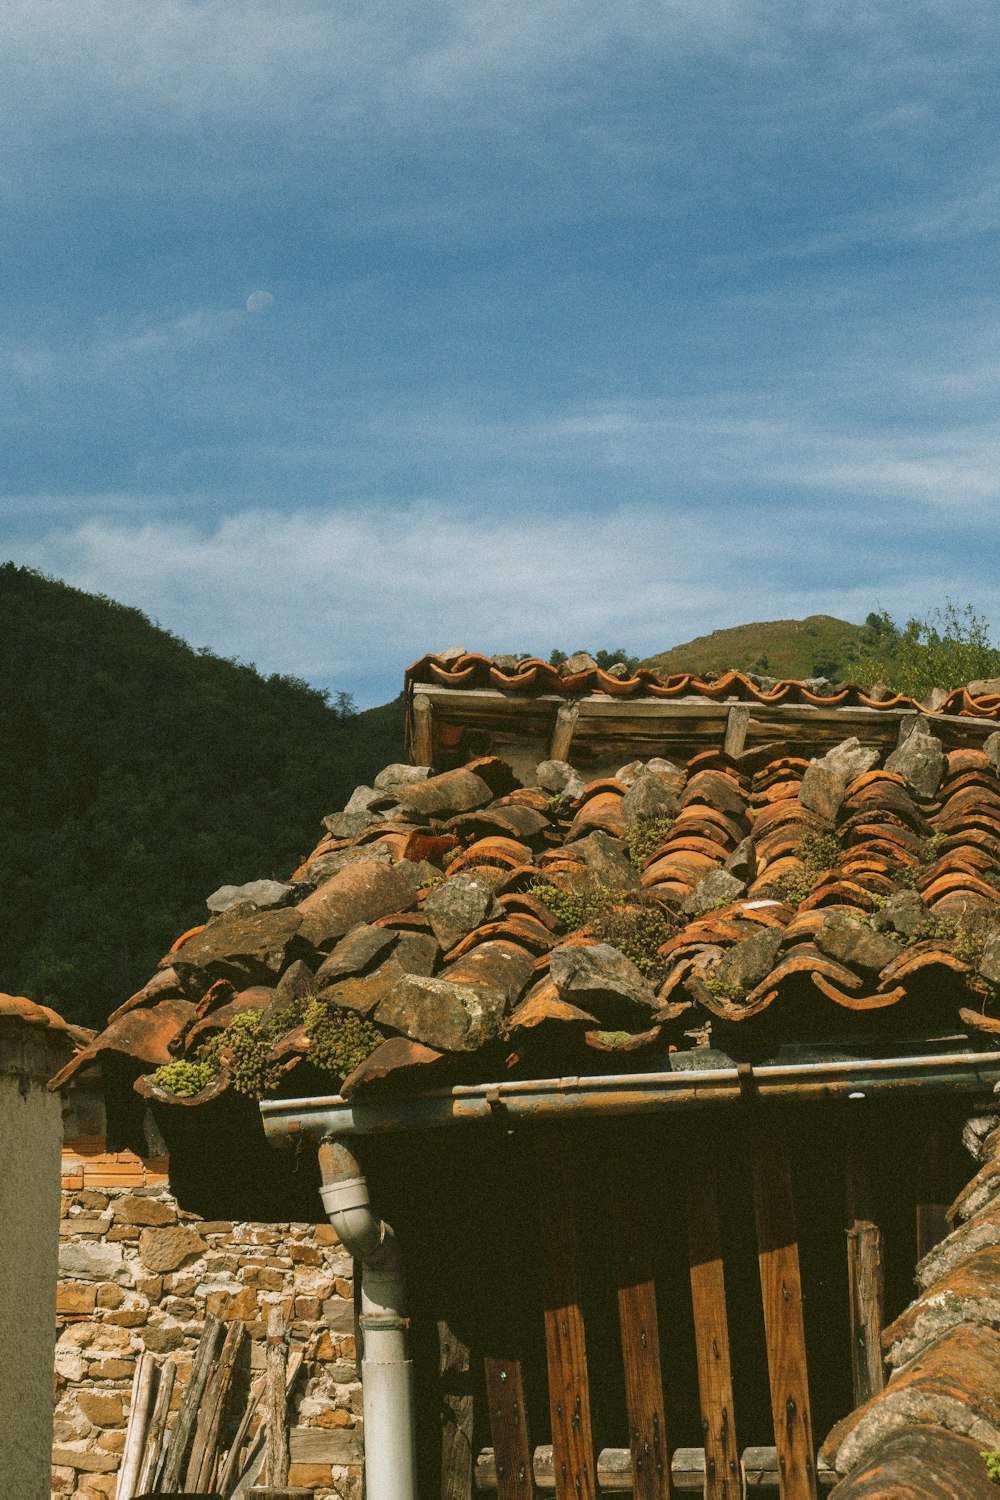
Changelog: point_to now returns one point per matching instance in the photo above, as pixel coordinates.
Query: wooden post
(138, 1422)
(276, 1409)
(562, 732)
(180, 1437)
(423, 730)
(153, 1451)
(736, 731)
(457, 1457)
(506, 1406)
(637, 1319)
(781, 1291)
(565, 1338)
(204, 1449)
(711, 1328)
(509, 1427)
(865, 1278)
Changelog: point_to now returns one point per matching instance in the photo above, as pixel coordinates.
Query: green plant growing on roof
(819, 853)
(636, 925)
(722, 989)
(991, 1458)
(339, 1040)
(645, 837)
(183, 1078)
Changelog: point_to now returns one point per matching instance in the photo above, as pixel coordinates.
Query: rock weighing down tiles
(474, 922)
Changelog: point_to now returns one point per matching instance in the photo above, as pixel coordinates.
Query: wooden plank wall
(632, 1238)
(781, 1294)
(565, 1336)
(708, 1295)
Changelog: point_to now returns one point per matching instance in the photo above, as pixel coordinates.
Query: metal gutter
(287, 1121)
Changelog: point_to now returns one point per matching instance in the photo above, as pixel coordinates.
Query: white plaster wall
(30, 1139)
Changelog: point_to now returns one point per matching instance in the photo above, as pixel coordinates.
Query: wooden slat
(736, 730)
(562, 733)
(180, 1437)
(637, 1318)
(507, 1223)
(867, 1301)
(781, 1291)
(454, 1364)
(508, 1418)
(711, 1327)
(865, 1277)
(565, 1338)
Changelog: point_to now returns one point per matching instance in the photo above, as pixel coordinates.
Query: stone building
(619, 1005)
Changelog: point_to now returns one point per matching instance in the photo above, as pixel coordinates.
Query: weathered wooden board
(454, 1363)
(508, 1418)
(781, 1292)
(865, 1275)
(637, 1319)
(711, 1326)
(565, 1337)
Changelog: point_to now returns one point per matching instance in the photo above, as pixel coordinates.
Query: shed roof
(737, 899)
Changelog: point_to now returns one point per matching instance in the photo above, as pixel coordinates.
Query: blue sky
(332, 334)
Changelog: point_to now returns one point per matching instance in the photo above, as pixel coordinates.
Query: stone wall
(138, 1272)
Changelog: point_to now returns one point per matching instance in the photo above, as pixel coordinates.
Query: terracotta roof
(481, 924)
(19, 1008)
(924, 1434)
(470, 670)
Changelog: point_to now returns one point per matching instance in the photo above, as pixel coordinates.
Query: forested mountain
(137, 776)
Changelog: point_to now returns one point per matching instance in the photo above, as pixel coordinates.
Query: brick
(167, 1249)
(89, 1199)
(230, 1306)
(74, 1299)
(325, 1234)
(307, 1308)
(147, 1212)
(63, 1481)
(112, 1369)
(129, 1317)
(111, 1442)
(162, 1340)
(102, 1410)
(310, 1476)
(338, 1315)
(110, 1296)
(305, 1255)
(99, 1484)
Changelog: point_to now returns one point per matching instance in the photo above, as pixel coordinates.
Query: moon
(257, 301)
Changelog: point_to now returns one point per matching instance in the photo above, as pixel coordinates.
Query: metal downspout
(386, 1369)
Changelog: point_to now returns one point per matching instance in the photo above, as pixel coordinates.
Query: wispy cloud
(349, 599)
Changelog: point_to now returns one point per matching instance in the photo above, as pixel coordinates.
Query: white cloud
(349, 599)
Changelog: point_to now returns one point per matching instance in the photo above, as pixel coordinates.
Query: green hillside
(819, 646)
(138, 775)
